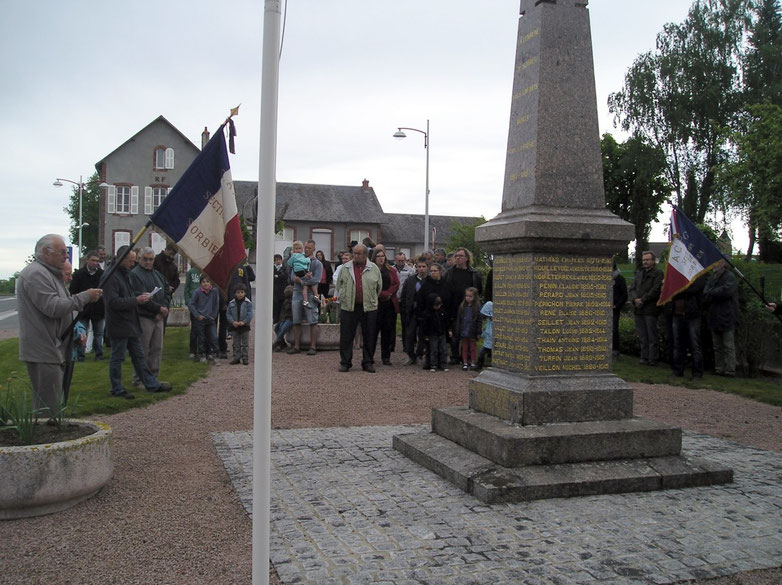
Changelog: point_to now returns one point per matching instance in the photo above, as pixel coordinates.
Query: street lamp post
(80, 185)
(400, 134)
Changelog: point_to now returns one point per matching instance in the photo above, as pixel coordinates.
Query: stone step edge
(492, 483)
(511, 445)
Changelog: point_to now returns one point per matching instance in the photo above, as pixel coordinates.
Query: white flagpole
(267, 196)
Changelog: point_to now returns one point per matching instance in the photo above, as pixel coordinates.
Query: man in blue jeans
(301, 314)
(124, 329)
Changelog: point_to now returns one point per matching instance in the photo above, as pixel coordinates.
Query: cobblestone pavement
(346, 508)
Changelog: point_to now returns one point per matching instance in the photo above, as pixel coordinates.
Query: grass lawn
(765, 389)
(89, 392)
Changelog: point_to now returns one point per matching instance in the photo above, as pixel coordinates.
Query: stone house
(137, 176)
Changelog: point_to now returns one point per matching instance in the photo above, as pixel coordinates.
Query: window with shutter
(148, 208)
(122, 199)
(158, 194)
(169, 158)
(111, 199)
(160, 158)
(134, 200)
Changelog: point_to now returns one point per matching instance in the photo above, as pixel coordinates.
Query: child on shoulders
(300, 265)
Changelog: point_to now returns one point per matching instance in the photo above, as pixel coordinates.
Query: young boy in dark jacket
(434, 327)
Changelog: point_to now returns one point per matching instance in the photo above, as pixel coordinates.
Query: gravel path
(170, 515)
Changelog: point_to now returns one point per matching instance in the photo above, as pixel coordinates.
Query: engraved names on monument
(552, 313)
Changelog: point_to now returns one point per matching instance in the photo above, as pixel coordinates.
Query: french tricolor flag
(200, 216)
(690, 255)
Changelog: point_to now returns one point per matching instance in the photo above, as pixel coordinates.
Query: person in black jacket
(722, 297)
(685, 311)
(620, 298)
(124, 328)
(278, 288)
(410, 315)
(643, 294)
(93, 314)
(459, 278)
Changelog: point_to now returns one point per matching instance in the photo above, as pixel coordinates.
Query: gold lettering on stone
(552, 313)
(529, 36)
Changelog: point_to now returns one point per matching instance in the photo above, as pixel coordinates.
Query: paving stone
(346, 508)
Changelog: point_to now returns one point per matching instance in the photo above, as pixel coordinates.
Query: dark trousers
(97, 336)
(193, 335)
(119, 345)
(414, 342)
(456, 356)
(386, 325)
(485, 351)
(207, 336)
(349, 321)
(222, 329)
(687, 332)
(438, 352)
(615, 339)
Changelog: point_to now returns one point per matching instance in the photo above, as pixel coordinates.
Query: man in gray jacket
(46, 311)
(146, 279)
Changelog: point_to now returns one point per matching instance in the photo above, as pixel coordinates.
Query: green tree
(635, 184)
(681, 95)
(751, 181)
(463, 235)
(763, 60)
(90, 212)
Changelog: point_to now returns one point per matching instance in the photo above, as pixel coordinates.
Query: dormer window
(164, 158)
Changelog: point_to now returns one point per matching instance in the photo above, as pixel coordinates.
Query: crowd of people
(126, 312)
(715, 293)
(436, 297)
(439, 299)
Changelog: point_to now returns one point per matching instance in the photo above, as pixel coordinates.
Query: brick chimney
(204, 137)
(365, 185)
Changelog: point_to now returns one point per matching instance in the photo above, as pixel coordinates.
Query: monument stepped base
(511, 445)
(493, 483)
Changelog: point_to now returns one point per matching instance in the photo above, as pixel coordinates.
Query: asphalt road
(9, 318)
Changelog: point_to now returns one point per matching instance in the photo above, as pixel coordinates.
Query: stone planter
(42, 479)
(328, 336)
(178, 317)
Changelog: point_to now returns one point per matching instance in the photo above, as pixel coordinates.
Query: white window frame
(160, 158)
(357, 235)
(153, 197)
(122, 199)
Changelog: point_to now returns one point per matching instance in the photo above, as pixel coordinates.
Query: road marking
(7, 314)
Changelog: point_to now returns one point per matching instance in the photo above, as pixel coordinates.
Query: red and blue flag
(690, 254)
(200, 214)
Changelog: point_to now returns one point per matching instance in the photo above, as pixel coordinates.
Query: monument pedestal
(549, 419)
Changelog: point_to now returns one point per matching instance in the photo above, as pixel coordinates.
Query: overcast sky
(82, 76)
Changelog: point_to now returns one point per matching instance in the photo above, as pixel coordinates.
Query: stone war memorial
(549, 419)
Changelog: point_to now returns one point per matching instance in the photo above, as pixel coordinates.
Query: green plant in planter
(17, 412)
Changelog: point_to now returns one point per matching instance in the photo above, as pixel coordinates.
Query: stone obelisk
(554, 239)
(549, 419)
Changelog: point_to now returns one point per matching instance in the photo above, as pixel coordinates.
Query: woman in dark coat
(388, 305)
(328, 271)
